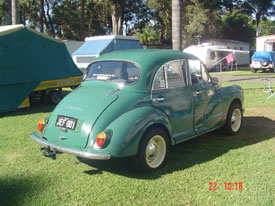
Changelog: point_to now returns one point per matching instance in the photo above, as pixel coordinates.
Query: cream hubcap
(155, 151)
(236, 119)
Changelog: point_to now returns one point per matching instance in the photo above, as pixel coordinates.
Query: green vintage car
(139, 103)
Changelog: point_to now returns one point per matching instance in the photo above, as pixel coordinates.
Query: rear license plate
(66, 122)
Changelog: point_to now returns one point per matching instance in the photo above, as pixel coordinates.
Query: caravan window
(212, 55)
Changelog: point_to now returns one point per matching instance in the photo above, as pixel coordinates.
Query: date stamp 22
(229, 186)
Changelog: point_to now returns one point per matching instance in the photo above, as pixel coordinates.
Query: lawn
(246, 161)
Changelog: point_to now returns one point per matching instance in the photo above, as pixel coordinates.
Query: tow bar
(49, 153)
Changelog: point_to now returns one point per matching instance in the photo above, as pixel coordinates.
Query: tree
(149, 35)
(14, 12)
(267, 27)
(42, 16)
(258, 8)
(177, 25)
(200, 18)
(238, 27)
(82, 27)
(162, 13)
(5, 16)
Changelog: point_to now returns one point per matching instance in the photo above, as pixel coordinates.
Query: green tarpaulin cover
(28, 57)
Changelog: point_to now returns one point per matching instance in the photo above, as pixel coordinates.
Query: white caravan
(215, 55)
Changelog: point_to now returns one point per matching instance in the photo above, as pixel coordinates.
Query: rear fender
(129, 128)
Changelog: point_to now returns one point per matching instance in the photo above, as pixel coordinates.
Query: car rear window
(113, 71)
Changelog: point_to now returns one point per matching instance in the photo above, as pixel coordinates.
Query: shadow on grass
(14, 191)
(195, 151)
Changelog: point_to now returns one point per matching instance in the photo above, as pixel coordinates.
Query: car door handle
(159, 99)
(197, 93)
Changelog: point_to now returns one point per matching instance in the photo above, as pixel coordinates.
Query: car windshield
(113, 71)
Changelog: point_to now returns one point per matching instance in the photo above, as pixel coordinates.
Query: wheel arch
(236, 100)
(160, 126)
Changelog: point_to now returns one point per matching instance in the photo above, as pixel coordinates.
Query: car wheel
(153, 151)
(234, 119)
(264, 63)
(54, 97)
(253, 70)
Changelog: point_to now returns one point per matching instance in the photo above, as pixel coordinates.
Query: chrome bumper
(87, 155)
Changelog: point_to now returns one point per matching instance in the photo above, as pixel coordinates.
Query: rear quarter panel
(129, 128)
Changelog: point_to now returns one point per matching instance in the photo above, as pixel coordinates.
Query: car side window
(174, 71)
(198, 72)
(160, 82)
(205, 75)
(171, 75)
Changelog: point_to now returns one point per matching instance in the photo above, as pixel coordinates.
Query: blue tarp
(263, 56)
(101, 46)
(93, 47)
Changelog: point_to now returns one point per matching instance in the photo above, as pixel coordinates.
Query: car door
(203, 97)
(171, 94)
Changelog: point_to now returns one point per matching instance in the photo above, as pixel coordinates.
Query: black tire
(264, 63)
(153, 151)
(234, 119)
(263, 70)
(54, 97)
(254, 70)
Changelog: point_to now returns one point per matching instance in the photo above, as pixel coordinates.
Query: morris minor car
(137, 104)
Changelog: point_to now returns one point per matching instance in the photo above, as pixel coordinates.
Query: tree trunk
(258, 18)
(42, 16)
(114, 24)
(82, 26)
(90, 22)
(14, 12)
(49, 24)
(117, 19)
(177, 25)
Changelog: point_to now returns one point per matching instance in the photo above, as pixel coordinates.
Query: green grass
(244, 71)
(28, 178)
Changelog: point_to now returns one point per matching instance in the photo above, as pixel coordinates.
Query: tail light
(100, 139)
(41, 125)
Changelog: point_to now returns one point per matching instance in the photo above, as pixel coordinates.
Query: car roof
(149, 61)
(146, 58)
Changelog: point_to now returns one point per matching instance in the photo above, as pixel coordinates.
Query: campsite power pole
(14, 12)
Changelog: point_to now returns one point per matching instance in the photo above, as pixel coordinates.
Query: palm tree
(258, 8)
(177, 25)
(14, 12)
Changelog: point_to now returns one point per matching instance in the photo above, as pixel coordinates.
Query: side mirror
(214, 80)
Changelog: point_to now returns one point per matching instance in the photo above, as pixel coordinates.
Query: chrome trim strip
(72, 152)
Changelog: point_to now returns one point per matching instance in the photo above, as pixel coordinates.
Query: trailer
(33, 64)
(98, 45)
(214, 55)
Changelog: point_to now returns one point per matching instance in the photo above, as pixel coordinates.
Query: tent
(96, 46)
(28, 57)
